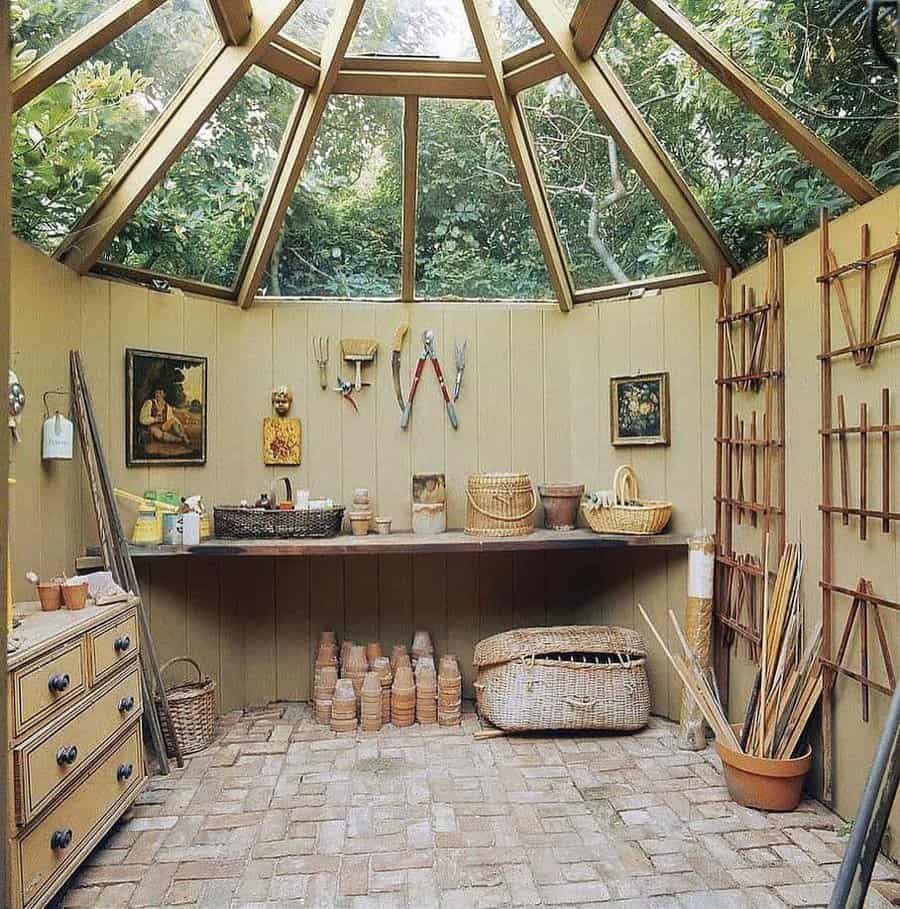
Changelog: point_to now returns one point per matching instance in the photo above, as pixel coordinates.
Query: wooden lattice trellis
(750, 485)
(864, 338)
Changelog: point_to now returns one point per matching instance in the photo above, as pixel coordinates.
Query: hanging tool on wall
(428, 354)
(460, 355)
(346, 390)
(396, 352)
(359, 351)
(15, 406)
(320, 352)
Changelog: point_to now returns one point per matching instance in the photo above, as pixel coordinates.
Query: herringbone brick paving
(282, 812)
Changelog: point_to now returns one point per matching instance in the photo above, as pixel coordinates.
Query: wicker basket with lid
(565, 677)
(500, 504)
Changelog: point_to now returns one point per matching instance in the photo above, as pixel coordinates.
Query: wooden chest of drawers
(74, 741)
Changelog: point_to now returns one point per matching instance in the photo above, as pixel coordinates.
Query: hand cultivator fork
(428, 354)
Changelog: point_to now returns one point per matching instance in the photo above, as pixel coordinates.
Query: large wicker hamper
(567, 677)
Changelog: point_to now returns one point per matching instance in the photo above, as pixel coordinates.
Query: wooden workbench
(454, 541)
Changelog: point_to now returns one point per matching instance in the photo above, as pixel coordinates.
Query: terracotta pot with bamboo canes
(760, 758)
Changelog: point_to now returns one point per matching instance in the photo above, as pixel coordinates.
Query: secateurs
(428, 354)
(346, 390)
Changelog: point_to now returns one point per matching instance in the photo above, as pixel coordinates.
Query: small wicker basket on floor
(567, 677)
(629, 514)
(192, 706)
(500, 504)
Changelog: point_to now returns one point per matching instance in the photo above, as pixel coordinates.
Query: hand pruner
(428, 354)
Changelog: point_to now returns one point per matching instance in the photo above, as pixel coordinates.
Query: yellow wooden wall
(535, 398)
(877, 559)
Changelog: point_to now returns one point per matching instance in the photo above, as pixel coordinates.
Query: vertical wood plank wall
(535, 398)
(878, 558)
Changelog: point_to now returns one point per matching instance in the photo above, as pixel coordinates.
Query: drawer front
(113, 646)
(53, 847)
(41, 688)
(43, 767)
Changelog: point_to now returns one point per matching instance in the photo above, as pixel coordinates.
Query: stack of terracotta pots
(343, 707)
(355, 668)
(449, 686)
(370, 706)
(345, 651)
(426, 691)
(327, 650)
(323, 692)
(382, 668)
(421, 646)
(373, 651)
(398, 651)
(403, 697)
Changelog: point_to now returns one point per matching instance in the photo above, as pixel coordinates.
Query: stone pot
(561, 501)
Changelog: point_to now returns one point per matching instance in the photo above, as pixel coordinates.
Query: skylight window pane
(308, 24)
(746, 177)
(195, 224)
(67, 142)
(415, 28)
(341, 237)
(39, 25)
(514, 27)
(474, 236)
(816, 59)
(612, 228)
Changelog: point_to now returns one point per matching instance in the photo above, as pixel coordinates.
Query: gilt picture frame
(639, 409)
(165, 409)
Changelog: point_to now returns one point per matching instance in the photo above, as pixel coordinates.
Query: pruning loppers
(428, 354)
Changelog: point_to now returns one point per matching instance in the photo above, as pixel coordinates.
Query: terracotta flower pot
(50, 596)
(74, 595)
(561, 501)
(765, 783)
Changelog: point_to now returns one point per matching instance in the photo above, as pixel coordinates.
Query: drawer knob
(61, 839)
(58, 682)
(126, 704)
(66, 755)
(124, 771)
(122, 644)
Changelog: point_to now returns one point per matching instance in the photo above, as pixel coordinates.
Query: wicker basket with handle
(192, 708)
(567, 677)
(500, 504)
(628, 514)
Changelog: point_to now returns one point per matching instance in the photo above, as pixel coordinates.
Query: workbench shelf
(454, 541)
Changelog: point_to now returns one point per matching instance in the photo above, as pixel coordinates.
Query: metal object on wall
(57, 435)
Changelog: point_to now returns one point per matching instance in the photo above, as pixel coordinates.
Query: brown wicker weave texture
(520, 690)
(192, 707)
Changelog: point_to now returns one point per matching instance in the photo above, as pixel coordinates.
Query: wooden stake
(844, 305)
(863, 465)
(885, 459)
(842, 445)
(887, 293)
(753, 455)
(864, 285)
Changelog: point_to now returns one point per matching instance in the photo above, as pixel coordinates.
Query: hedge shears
(428, 354)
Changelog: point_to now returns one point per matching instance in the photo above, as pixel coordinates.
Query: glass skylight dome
(441, 149)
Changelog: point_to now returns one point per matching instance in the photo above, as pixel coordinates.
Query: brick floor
(281, 812)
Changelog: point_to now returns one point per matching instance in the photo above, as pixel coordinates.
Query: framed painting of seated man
(165, 408)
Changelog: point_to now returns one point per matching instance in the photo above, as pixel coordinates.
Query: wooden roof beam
(611, 105)
(589, 23)
(232, 18)
(158, 149)
(77, 48)
(696, 45)
(518, 140)
(290, 165)
(410, 76)
(410, 199)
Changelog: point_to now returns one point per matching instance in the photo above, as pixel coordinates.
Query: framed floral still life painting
(639, 409)
(165, 409)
